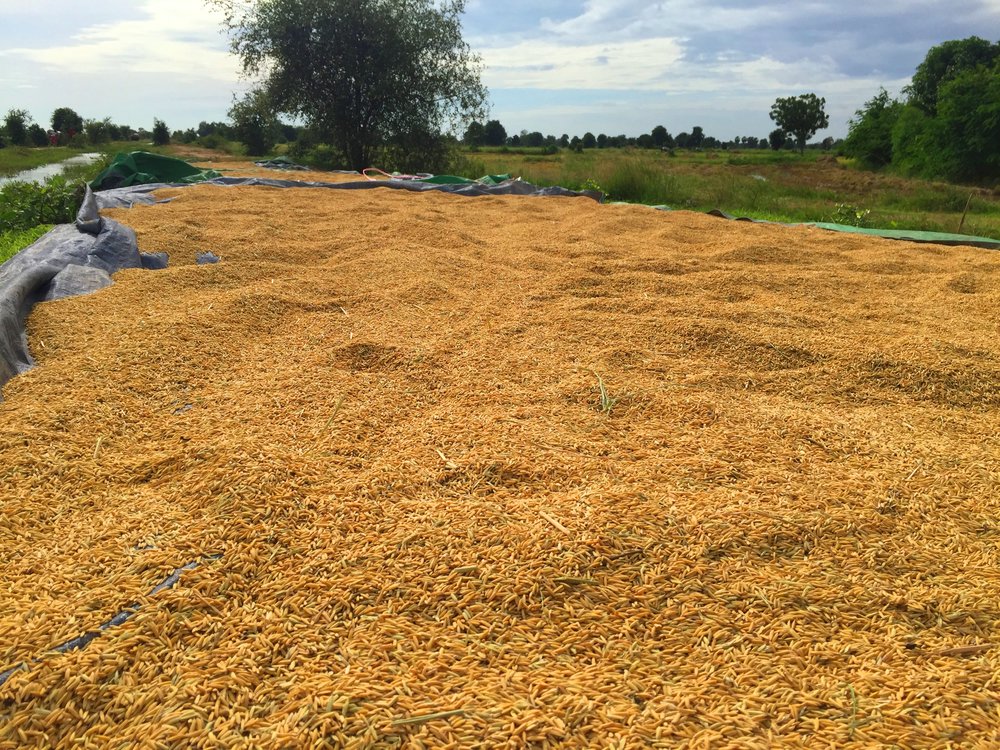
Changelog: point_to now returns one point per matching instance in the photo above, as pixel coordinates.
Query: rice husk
(382, 409)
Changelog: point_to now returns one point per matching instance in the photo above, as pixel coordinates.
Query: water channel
(39, 174)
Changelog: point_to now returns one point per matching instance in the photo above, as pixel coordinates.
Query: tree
(98, 131)
(776, 138)
(366, 74)
(65, 119)
(660, 136)
(944, 63)
(801, 116)
(37, 136)
(589, 140)
(161, 133)
(869, 135)
(16, 123)
(533, 139)
(494, 134)
(254, 123)
(697, 137)
(962, 141)
(474, 134)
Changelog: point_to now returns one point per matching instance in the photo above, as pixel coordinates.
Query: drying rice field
(505, 472)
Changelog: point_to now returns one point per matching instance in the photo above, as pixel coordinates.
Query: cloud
(178, 37)
(552, 65)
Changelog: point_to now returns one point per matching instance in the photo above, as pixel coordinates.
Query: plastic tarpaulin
(910, 235)
(938, 238)
(143, 168)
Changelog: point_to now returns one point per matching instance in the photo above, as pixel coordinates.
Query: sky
(604, 66)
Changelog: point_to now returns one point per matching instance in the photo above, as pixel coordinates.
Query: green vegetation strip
(12, 243)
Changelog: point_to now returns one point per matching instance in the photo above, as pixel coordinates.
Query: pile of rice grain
(506, 472)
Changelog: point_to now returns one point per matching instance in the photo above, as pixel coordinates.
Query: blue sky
(612, 66)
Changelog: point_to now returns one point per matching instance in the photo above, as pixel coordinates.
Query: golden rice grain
(380, 410)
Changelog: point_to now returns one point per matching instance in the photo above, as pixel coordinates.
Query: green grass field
(778, 186)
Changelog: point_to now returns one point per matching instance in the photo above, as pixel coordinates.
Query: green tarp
(144, 168)
(450, 179)
(939, 238)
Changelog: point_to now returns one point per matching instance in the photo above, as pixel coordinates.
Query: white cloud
(179, 37)
(550, 65)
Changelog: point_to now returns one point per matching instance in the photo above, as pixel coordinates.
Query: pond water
(38, 174)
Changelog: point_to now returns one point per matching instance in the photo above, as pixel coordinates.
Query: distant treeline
(493, 133)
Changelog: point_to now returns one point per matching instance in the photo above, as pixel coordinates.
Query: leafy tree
(534, 139)
(366, 74)
(602, 140)
(683, 140)
(645, 141)
(697, 138)
(475, 134)
(494, 134)
(968, 126)
(869, 136)
(16, 124)
(161, 133)
(254, 123)
(660, 136)
(589, 140)
(65, 119)
(776, 138)
(37, 136)
(801, 116)
(98, 131)
(944, 63)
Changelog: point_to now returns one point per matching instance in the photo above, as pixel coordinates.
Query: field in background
(761, 184)
(781, 186)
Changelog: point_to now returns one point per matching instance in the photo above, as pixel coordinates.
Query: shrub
(24, 205)
(161, 133)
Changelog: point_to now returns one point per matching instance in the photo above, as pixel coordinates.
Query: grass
(773, 186)
(12, 243)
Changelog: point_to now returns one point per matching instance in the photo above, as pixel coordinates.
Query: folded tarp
(143, 168)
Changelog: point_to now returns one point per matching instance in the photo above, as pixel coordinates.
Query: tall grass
(759, 184)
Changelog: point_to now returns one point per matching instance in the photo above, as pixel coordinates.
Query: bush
(37, 136)
(323, 156)
(869, 139)
(24, 205)
(161, 133)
